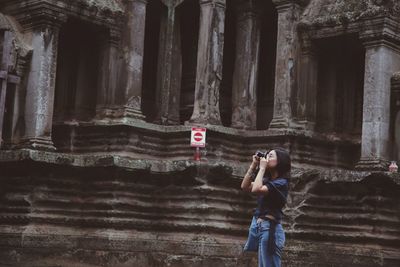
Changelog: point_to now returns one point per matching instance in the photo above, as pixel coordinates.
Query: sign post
(197, 140)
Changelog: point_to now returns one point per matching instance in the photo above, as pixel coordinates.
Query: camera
(261, 154)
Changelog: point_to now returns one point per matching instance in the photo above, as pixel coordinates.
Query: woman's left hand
(263, 163)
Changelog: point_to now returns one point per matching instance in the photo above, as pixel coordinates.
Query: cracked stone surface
(95, 163)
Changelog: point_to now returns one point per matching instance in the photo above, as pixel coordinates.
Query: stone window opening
(5, 104)
(189, 13)
(8, 115)
(10, 100)
(150, 59)
(266, 80)
(395, 120)
(340, 86)
(77, 71)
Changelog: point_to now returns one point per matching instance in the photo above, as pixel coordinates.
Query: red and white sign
(198, 137)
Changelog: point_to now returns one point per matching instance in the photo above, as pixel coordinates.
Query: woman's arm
(258, 187)
(246, 182)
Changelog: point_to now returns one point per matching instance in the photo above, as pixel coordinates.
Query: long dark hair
(284, 164)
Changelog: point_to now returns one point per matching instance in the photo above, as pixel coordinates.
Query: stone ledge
(141, 139)
(95, 11)
(112, 249)
(122, 248)
(158, 165)
(107, 160)
(239, 133)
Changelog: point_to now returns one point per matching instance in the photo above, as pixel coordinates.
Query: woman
(266, 234)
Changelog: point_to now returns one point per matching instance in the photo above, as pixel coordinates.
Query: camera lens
(260, 154)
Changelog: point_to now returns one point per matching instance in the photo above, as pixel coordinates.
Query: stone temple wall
(98, 99)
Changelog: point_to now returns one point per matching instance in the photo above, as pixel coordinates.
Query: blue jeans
(258, 241)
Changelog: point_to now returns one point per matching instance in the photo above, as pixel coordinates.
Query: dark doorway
(155, 9)
(341, 63)
(266, 81)
(77, 71)
(189, 16)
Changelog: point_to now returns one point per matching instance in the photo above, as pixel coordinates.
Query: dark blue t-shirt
(273, 202)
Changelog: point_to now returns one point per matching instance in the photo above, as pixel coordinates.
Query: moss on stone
(339, 12)
(111, 5)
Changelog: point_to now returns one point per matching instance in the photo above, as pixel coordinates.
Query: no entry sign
(198, 137)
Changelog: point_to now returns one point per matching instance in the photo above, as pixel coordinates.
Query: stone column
(209, 63)
(382, 59)
(133, 48)
(169, 73)
(41, 83)
(307, 90)
(107, 106)
(245, 76)
(286, 60)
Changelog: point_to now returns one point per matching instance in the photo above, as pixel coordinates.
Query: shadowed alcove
(340, 85)
(77, 71)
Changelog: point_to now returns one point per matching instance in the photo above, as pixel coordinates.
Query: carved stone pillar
(169, 73)
(41, 82)
(133, 47)
(209, 63)
(107, 105)
(244, 91)
(286, 60)
(382, 59)
(307, 89)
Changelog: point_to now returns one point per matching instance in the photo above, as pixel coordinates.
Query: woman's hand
(258, 186)
(256, 161)
(263, 163)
